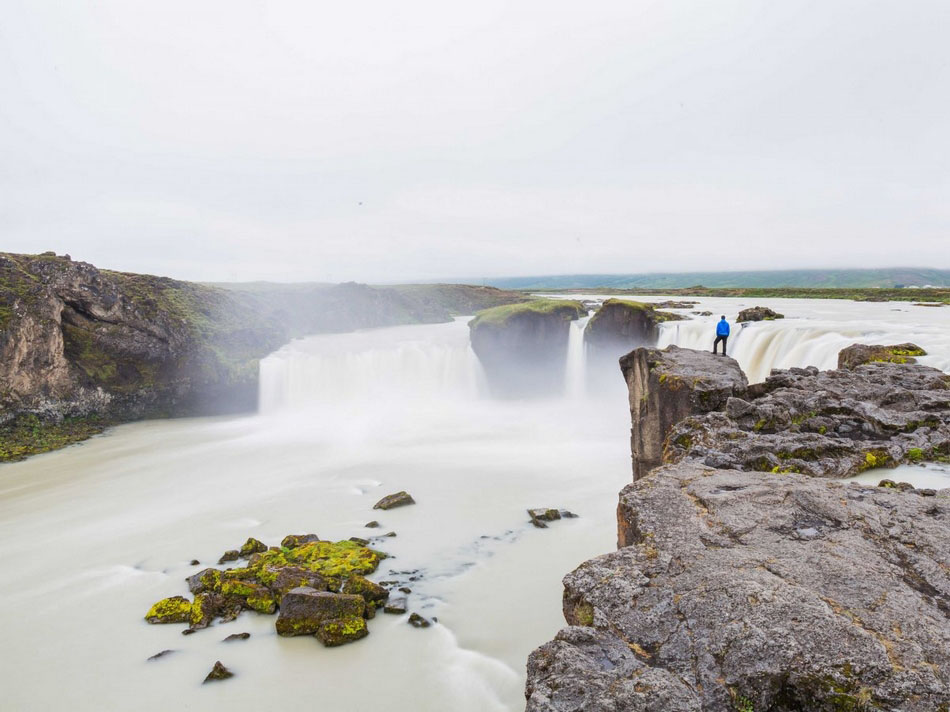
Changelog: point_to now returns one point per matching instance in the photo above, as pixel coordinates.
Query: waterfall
(761, 346)
(576, 376)
(394, 365)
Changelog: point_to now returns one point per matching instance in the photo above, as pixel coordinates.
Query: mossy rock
(303, 611)
(370, 591)
(340, 631)
(500, 317)
(176, 609)
(861, 354)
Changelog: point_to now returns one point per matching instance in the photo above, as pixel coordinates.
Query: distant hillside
(817, 278)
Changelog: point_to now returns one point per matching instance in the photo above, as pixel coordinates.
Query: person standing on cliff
(722, 334)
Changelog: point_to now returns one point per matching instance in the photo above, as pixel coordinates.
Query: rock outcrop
(824, 424)
(669, 385)
(619, 326)
(319, 587)
(746, 590)
(737, 589)
(81, 347)
(860, 354)
(523, 347)
(758, 314)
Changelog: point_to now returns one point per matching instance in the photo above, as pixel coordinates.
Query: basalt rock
(218, 672)
(617, 327)
(737, 590)
(758, 314)
(825, 424)
(523, 347)
(669, 385)
(303, 610)
(860, 354)
(391, 501)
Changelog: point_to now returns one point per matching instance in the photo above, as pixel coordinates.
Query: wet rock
(391, 501)
(674, 305)
(668, 386)
(252, 546)
(292, 541)
(371, 525)
(160, 655)
(176, 609)
(230, 555)
(203, 610)
(926, 492)
(758, 314)
(567, 514)
(370, 591)
(282, 579)
(523, 347)
(539, 524)
(205, 580)
(303, 610)
(791, 592)
(860, 354)
(405, 589)
(253, 595)
(417, 621)
(703, 313)
(358, 540)
(188, 631)
(340, 631)
(544, 514)
(234, 637)
(218, 672)
(194, 562)
(396, 604)
(389, 534)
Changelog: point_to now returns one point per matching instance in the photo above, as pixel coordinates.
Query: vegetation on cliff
(503, 315)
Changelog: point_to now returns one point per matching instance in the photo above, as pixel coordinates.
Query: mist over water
(345, 419)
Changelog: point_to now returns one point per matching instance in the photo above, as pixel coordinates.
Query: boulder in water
(234, 637)
(218, 672)
(291, 541)
(205, 580)
(230, 555)
(303, 610)
(417, 621)
(391, 501)
(176, 609)
(758, 314)
(860, 354)
(252, 546)
(340, 631)
(396, 605)
(523, 347)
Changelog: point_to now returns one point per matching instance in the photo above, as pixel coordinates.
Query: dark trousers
(723, 339)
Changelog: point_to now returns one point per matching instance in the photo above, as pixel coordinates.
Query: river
(94, 534)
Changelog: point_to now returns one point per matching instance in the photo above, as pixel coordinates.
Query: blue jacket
(722, 328)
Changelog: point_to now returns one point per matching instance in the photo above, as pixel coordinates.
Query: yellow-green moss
(176, 609)
(498, 316)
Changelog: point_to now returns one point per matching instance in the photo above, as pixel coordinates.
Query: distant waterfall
(576, 372)
(404, 364)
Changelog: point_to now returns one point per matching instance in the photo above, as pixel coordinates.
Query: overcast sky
(246, 139)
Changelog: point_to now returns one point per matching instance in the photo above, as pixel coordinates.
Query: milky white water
(93, 534)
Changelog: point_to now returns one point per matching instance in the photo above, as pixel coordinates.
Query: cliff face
(82, 347)
(618, 326)
(523, 347)
(738, 589)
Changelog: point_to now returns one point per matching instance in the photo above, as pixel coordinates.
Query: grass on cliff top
(936, 295)
(657, 315)
(28, 435)
(498, 316)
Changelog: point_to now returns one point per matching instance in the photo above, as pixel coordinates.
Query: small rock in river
(292, 541)
(161, 654)
(417, 621)
(396, 604)
(231, 555)
(236, 636)
(195, 562)
(218, 672)
(399, 499)
(371, 525)
(358, 540)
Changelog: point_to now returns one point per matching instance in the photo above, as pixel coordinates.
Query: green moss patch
(29, 435)
(499, 316)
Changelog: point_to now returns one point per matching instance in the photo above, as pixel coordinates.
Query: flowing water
(93, 534)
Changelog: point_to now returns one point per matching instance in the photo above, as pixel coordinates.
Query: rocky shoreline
(748, 580)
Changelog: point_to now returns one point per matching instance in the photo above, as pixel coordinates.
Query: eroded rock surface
(669, 385)
(826, 424)
(788, 592)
